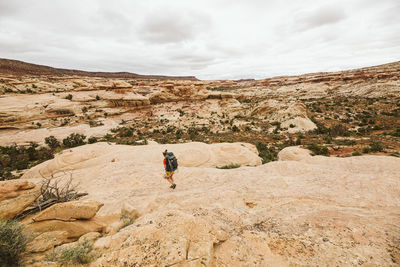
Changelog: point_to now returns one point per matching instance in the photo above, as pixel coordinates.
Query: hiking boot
(173, 187)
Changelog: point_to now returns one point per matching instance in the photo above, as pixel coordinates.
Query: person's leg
(172, 181)
(168, 178)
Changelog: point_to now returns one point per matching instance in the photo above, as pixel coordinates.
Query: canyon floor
(314, 178)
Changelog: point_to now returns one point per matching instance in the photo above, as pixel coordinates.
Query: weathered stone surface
(47, 240)
(16, 195)
(69, 211)
(14, 188)
(294, 153)
(300, 210)
(74, 229)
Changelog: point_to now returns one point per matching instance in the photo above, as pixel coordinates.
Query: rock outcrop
(301, 210)
(63, 223)
(15, 196)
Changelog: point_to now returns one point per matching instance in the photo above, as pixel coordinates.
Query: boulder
(69, 211)
(15, 196)
(47, 241)
(74, 229)
(294, 153)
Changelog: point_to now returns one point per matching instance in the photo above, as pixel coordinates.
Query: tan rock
(294, 153)
(14, 188)
(74, 229)
(91, 237)
(68, 211)
(47, 240)
(16, 195)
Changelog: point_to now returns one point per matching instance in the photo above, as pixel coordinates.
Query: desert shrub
(179, 134)
(126, 220)
(97, 97)
(339, 130)
(298, 141)
(52, 142)
(318, 149)
(20, 157)
(181, 112)
(74, 140)
(235, 129)
(84, 109)
(346, 142)
(396, 132)
(292, 125)
(123, 131)
(92, 140)
(69, 97)
(266, 154)
(192, 132)
(79, 254)
(376, 146)
(321, 129)
(366, 150)
(230, 166)
(12, 243)
(357, 153)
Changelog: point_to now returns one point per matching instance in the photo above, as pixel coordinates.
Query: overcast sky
(211, 39)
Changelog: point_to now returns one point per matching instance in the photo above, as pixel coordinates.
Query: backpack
(172, 162)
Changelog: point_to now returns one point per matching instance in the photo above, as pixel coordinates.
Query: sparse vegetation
(318, 149)
(266, 153)
(230, 166)
(82, 253)
(52, 142)
(74, 140)
(12, 243)
(69, 97)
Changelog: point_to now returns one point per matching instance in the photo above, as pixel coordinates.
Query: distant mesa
(16, 67)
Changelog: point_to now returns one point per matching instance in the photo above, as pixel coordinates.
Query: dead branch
(52, 191)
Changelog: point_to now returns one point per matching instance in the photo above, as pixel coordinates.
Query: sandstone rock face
(69, 211)
(301, 210)
(294, 153)
(47, 241)
(73, 229)
(15, 196)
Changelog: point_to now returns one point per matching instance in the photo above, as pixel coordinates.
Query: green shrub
(79, 254)
(366, 150)
(376, 146)
(69, 97)
(318, 149)
(357, 153)
(230, 166)
(12, 243)
(74, 140)
(97, 97)
(266, 154)
(235, 129)
(52, 142)
(178, 133)
(92, 140)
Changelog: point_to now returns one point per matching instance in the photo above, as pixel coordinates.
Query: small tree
(12, 243)
(52, 142)
(74, 140)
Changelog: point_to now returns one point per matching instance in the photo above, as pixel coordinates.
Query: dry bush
(53, 190)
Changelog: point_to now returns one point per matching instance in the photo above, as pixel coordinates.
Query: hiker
(170, 165)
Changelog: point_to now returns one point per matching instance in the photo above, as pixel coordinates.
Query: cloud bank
(212, 39)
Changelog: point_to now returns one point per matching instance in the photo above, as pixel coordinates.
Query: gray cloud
(170, 26)
(322, 16)
(212, 39)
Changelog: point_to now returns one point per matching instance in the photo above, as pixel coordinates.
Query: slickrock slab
(15, 196)
(69, 211)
